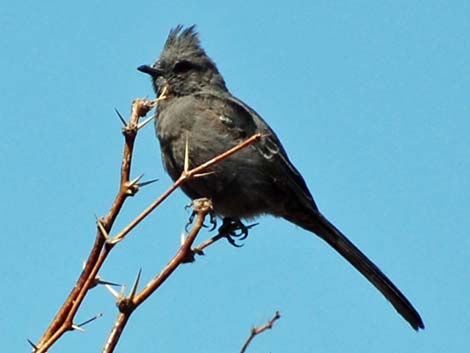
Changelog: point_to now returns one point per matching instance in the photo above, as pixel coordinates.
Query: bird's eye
(183, 66)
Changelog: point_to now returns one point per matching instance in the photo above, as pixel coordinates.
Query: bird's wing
(243, 121)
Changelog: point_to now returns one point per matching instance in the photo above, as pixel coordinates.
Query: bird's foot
(198, 206)
(212, 217)
(233, 230)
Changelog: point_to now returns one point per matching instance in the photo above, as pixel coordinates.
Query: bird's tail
(319, 225)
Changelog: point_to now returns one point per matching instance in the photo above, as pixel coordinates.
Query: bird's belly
(237, 190)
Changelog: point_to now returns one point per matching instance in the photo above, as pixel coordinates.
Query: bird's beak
(152, 71)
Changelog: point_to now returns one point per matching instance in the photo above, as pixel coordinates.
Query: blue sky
(370, 99)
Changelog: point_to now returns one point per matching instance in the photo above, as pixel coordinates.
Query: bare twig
(185, 176)
(256, 331)
(127, 305)
(200, 248)
(63, 320)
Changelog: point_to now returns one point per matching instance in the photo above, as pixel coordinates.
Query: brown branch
(185, 176)
(200, 248)
(202, 207)
(127, 305)
(63, 320)
(256, 331)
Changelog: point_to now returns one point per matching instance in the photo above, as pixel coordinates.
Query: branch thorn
(32, 344)
(103, 231)
(123, 121)
(134, 287)
(146, 121)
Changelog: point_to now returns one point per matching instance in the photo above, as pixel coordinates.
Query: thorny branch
(63, 320)
(128, 304)
(103, 244)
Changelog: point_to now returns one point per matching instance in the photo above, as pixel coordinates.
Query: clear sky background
(371, 100)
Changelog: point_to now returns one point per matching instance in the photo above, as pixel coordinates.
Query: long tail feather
(319, 225)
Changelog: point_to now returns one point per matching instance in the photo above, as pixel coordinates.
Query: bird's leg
(233, 229)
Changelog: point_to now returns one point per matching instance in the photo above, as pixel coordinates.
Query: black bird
(258, 180)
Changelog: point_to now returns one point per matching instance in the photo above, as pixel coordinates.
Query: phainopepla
(259, 179)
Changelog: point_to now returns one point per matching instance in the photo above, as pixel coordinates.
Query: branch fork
(104, 242)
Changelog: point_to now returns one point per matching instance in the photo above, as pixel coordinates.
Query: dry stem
(63, 320)
(127, 305)
(256, 331)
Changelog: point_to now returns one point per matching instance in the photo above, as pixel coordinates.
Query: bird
(200, 116)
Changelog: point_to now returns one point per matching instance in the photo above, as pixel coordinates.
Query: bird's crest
(183, 41)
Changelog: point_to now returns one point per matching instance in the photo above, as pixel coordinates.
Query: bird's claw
(212, 219)
(190, 221)
(234, 229)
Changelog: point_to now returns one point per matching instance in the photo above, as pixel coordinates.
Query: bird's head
(183, 65)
